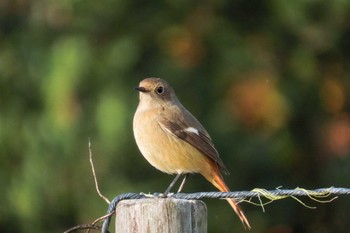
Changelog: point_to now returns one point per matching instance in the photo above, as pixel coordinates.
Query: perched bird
(172, 139)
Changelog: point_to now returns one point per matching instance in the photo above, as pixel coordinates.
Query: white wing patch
(192, 130)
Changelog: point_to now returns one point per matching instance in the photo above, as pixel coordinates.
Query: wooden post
(161, 215)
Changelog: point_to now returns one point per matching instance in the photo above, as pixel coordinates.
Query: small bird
(173, 141)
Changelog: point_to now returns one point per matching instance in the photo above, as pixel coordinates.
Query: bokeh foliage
(270, 80)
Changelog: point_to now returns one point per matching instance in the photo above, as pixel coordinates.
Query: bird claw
(165, 195)
(149, 195)
(157, 195)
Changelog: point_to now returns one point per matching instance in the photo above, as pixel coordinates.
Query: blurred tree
(268, 79)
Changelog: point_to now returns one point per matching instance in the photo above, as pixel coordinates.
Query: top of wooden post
(161, 215)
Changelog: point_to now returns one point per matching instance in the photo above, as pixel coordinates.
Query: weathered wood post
(161, 215)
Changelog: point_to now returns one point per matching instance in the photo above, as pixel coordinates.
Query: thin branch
(100, 219)
(94, 174)
(82, 227)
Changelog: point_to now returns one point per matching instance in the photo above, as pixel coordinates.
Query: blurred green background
(270, 81)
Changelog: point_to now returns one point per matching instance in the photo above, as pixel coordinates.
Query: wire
(272, 195)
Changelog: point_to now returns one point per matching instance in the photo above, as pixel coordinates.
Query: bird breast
(164, 150)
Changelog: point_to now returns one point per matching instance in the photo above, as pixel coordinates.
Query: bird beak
(141, 89)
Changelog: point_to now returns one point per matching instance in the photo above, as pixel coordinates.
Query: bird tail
(219, 183)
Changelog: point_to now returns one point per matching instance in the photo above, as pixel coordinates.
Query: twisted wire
(322, 192)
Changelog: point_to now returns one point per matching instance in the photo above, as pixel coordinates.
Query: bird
(173, 141)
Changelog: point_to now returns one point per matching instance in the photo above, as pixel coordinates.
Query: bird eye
(160, 90)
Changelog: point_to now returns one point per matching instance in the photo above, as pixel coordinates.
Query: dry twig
(94, 174)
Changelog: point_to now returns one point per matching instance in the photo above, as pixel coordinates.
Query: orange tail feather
(219, 183)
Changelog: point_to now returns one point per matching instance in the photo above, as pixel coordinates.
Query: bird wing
(196, 136)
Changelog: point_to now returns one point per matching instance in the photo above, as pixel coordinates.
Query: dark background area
(268, 79)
